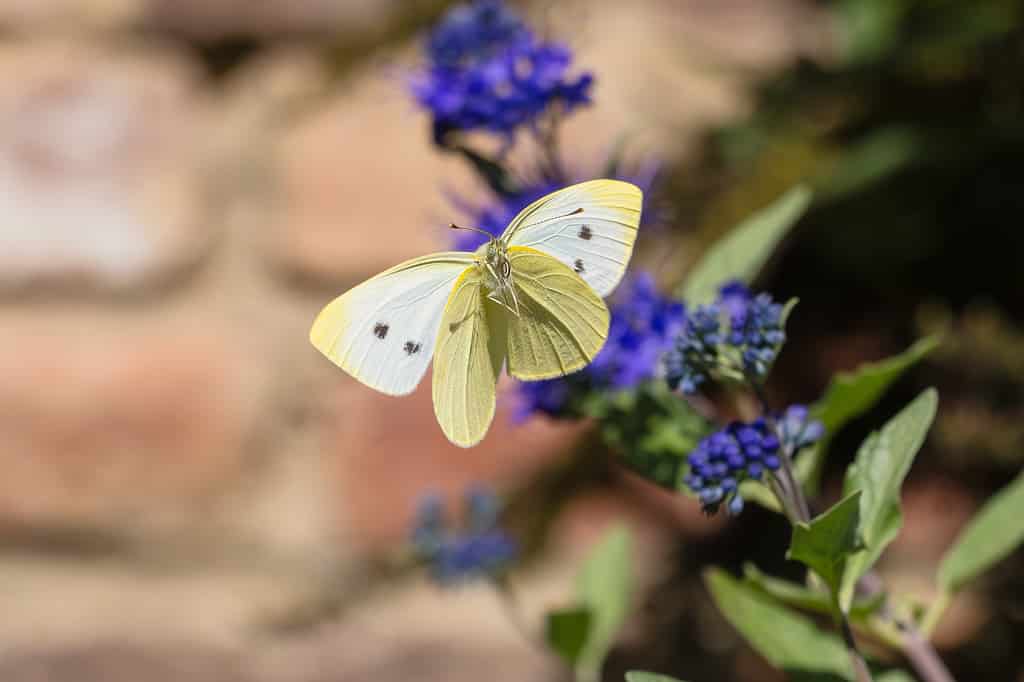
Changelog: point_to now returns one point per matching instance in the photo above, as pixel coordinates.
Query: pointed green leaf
(849, 395)
(743, 252)
(991, 535)
(605, 586)
(566, 632)
(638, 676)
(803, 597)
(878, 472)
(823, 544)
(786, 639)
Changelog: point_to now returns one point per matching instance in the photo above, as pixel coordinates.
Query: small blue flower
(797, 430)
(695, 352)
(550, 397)
(757, 328)
(643, 324)
(753, 334)
(487, 71)
(456, 554)
(473, 31)
(724, 459)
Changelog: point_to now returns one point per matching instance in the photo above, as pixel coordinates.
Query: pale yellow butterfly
(531, 298)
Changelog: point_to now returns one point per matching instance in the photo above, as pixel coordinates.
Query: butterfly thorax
(493, 260)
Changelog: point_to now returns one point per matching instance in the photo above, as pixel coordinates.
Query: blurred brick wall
(166, 240)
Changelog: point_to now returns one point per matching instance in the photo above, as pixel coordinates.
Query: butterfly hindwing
(467, 362)
(562, 322)
(590, 227)
(382, 331)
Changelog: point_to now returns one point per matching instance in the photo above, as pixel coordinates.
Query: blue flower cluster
(488, 71)
(695, 352)
(754, 336)
(479, 548)
(724, 459)
(643, 326)
(796, 430)
(757, 328)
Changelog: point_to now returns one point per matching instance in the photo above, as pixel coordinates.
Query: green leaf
(803, 597)
(759, 493)
(849, 395)
(992, 534)
(638, 676)
(566, 632)
(824, 543)
(895, 675)
(786, 639)
(878, 472)
(605, 586)
(743, 252)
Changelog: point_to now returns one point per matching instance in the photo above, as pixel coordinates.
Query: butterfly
(530, 300)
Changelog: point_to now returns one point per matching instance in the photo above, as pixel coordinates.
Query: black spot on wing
(411, 347)
(380, 330)
(578, 265)
(586, 233)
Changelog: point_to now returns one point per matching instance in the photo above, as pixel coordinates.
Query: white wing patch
(383, 331)
(591, 227)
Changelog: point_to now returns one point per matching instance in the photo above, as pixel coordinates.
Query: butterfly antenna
(487, 234)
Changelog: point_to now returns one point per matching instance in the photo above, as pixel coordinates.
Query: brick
(100, 182)
(118, 426)
(697, 57)
(386, 452)
(209, 20)
(35, 15)
(361, 186)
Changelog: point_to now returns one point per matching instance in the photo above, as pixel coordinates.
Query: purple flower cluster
(488, 71)
(754, 335)
(454, 555)
(643, 326)
(797, 430)
(757, 329)
(724, 459)
(696, 350)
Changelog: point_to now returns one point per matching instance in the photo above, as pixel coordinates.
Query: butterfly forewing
(382, 331)
(562, 323)
(590, 227)
(467, 362)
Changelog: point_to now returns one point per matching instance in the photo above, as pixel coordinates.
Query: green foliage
(992, 534)
(742, 253)
(848, 396)
(605, 590)
(806, 598)
(824, 543)
(639, 676)
(651, 428)
(878, 472)
(788, 640)
(566, 631)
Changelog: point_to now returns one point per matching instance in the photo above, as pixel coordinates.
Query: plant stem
(788, 479)
(514, 612)
(916, 648)
(860, 668)
(934, 613)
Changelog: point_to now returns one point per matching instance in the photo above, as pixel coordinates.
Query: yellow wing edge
(332, 319)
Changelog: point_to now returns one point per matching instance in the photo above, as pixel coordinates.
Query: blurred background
(191, 492)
